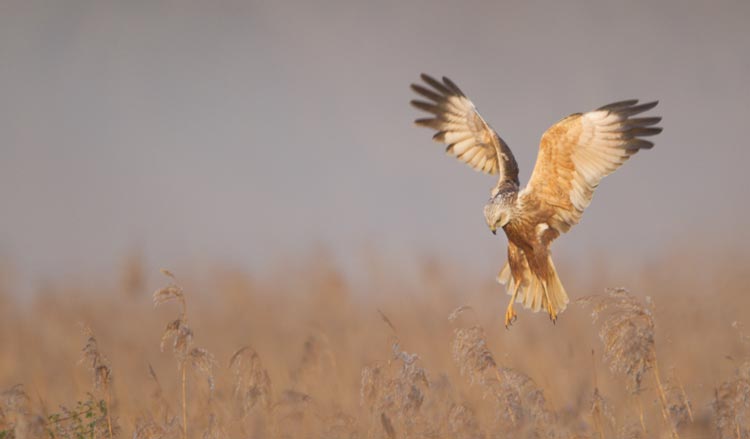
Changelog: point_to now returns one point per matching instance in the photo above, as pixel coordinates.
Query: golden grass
(315, 357)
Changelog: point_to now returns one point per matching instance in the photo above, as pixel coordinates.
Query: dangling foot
(552, 312)
(510, 315)
(548, 304)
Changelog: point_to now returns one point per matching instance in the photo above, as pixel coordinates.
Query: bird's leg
(510, 314)
(550, 309)
(552, 313)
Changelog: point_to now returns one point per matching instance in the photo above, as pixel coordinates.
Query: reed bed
(318, 356)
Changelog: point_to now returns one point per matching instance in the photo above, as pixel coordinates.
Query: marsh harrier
(574, 155)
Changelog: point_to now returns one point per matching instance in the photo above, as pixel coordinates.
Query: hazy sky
(242, 131)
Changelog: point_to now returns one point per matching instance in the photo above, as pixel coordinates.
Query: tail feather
(504, 276)
(556, 290)
(532, 295)
(533, 291)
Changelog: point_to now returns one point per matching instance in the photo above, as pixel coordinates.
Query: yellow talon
(548, 303)
(510, 316)
(552, 313)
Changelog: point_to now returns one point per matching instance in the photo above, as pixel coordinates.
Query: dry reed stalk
(463, 424)
(600, 409)
(180, 334)
(101, 370)
(148, 429)
(214, 429)
(641, 414)
(387, 426)
(732, 405)
(172, 291)
(663, 400)
(387, 321)
(521, 403)
(678, 404)
(295, 414)
(158, 423)
(162, 408)
(684, 398)
(204, 363)
(16, 419)
(627, 332)
(252, 384)
(184, 402)
(411, 381)
(181, 337)
(340, 426)
(473, 357)
(526, 401)
(394, 392)
(631, 431)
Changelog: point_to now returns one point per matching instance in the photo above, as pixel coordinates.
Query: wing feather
(462, 129)
(577, 152)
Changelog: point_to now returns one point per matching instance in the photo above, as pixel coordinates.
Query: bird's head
(499, 208)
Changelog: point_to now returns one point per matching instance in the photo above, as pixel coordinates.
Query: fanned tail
(533, 292)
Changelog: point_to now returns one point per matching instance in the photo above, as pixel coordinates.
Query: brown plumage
(574, 155)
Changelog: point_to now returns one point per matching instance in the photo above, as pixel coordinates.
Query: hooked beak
(493, 230)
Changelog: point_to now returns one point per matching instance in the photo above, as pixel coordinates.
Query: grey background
(246, 132)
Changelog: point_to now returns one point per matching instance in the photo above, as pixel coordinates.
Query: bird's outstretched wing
(459, 125)
(580, 150)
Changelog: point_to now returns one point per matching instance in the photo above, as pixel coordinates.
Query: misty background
(249, 132)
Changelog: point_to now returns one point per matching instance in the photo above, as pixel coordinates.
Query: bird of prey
(574, 155)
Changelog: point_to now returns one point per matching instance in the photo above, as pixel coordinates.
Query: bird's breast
(520, 233)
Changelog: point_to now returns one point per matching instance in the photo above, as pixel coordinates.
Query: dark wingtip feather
(427, 93)
(636, 109)
(643, 121)
(452, 85)
(646, 131)
(425, 106)
(437, 85)
(636, 144)
(426, 78)
(618, 105)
